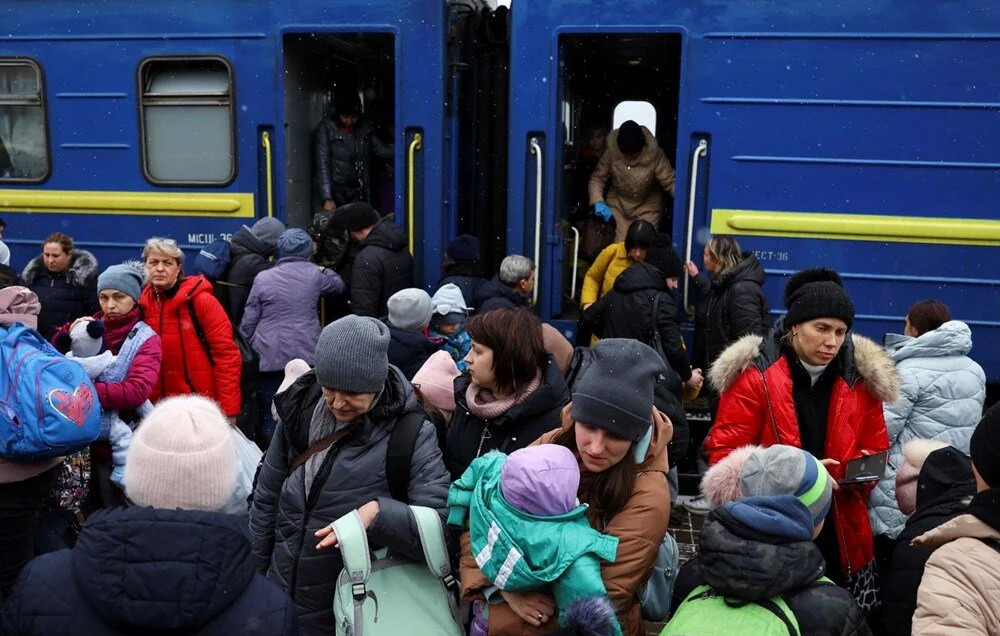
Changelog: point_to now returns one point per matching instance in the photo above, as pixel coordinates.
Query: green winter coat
(520, 552)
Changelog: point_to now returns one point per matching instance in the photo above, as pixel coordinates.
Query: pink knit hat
(19, 304)
(915, 453)
(182, 456)
(721, 483)
(436, 381)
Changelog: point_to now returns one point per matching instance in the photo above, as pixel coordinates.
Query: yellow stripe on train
(857, 227)
(220, 204)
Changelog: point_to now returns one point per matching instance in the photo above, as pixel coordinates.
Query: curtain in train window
(187, 121)
(23, 145)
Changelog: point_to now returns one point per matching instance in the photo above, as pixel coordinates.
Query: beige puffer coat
(960, 590)
(635, 186)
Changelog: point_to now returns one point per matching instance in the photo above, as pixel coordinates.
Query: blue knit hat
(295, 242)
(787, 470)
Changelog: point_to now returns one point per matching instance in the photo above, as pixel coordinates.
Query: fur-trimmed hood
(862, 358)
(81, 272)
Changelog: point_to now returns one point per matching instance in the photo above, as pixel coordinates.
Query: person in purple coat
(281, 320)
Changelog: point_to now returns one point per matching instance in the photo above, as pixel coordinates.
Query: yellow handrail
(415, 145)
(265, 139)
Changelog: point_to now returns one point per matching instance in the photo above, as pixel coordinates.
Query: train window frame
(38, 100)
(635, 103)
(143, 101)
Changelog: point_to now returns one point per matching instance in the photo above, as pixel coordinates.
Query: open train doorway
(606, 79)
(322, 71)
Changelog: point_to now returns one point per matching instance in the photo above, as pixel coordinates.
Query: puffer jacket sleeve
(228, 364)
(702, 285)
(321, 152)
(366, 283)
(381, 149)
(664, 172)
(746, 306)
(394, 526)
(594, 279)
(883, 509)
(264, 511)
(599, 179)
(331, 283)
(138, 384)
(639, 527)
(580, 581)
(740, 417)
(670, 336)
(946, 600)
(251, 313)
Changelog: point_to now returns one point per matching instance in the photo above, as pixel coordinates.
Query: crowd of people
(551, 468)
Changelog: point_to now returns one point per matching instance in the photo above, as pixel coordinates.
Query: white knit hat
(182, 456)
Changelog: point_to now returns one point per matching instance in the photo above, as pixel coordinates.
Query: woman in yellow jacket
(615, 259)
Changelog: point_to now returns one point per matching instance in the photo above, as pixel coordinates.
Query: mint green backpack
(705, 613)
(393, 595)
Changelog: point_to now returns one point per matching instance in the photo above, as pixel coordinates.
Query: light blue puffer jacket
(941, 398)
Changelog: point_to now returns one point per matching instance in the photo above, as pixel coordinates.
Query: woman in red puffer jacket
(813, 384)
(174, 305)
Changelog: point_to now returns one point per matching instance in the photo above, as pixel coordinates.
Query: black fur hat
(817, 293)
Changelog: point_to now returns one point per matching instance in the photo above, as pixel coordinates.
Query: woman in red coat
(813, 384)
(174, 305)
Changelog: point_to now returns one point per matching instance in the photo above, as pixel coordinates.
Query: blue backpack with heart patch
(48, 405)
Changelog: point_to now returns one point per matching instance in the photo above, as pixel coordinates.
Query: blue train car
(124, 120)
(853, 135)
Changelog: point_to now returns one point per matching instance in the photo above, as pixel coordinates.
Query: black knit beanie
(630, 137)
(355, 216)
(616, 390)
(985, 447)
(817, 293)
(666, 260)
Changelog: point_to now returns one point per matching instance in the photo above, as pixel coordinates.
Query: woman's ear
(641, 447)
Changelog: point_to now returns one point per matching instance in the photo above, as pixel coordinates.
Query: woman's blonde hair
(726, 252)
(164, 246)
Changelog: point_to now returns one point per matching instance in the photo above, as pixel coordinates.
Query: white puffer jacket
(941, 399)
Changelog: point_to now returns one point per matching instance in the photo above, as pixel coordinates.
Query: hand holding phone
(865, 469)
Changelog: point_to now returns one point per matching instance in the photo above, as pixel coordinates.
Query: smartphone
(865, 469)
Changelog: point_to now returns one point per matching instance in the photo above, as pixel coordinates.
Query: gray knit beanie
(787, 470)
(409, 309)
(616, 391)
(267, 230)
(124, 278)
(352, 355)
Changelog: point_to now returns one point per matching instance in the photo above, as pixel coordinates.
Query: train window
(24, 153)
(642, 113)
(186, 108)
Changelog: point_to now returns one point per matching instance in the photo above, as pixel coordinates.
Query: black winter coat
(382, 267)
(284, 517)
(736, 305)
(495, 295)
(739, 562)
(409, 350)
(465, 276)
(149, 571)
(248, 256)
(944, 488)
(470, 436)
(65, 296)
(343, 162)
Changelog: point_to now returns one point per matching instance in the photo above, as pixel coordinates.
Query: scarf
(117, 328)
(484, 404)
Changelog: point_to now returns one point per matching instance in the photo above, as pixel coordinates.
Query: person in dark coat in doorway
(934, 485)
(461, 267)
(170, 564)
(409, 315)
(65, 281)
(382, 266)
(510, 288)
(250, 251)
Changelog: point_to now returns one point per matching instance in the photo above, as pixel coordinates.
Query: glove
(602, 210)
(118, 476)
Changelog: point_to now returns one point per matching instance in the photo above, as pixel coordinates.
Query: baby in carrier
(529, 532)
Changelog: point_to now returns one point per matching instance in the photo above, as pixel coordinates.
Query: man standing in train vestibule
(638, 170)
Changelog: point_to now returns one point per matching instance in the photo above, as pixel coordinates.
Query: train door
(604, 80)
(322, 70)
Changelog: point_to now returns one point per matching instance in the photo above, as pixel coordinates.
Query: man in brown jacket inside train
(638, 170)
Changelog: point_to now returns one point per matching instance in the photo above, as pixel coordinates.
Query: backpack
(657, 592)
(706, 613)
(393, 595)
(48, 405)
(212, 260)
(250, 417)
